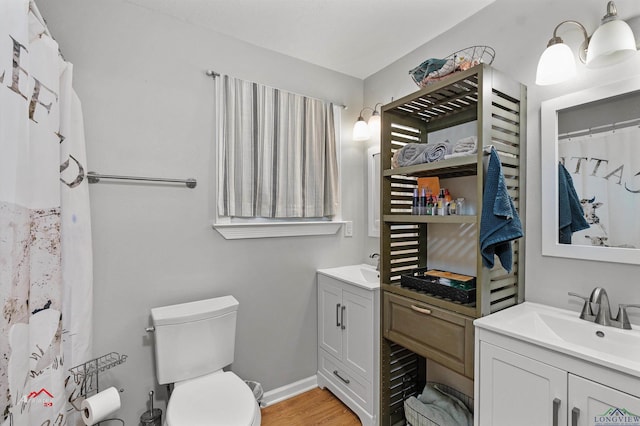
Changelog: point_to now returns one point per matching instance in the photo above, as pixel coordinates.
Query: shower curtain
(605, 171)
(45, 240)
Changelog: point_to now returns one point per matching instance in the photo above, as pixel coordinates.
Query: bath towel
(570, 214)
(437, 151)
(434, 406)
(431, 394)
(421, 414)
(418, 153)
(429, 66)
(500, 223)
(465, 146)
(410, 154)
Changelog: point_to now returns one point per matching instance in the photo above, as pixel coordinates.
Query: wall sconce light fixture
(611, 43)
(363, 130)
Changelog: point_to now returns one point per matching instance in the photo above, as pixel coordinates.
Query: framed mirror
(591, 174)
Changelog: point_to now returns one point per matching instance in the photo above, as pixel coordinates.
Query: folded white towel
(418, 153)
(465, 146)
(410, 154)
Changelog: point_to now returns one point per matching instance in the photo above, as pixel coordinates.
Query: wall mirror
(591, 168)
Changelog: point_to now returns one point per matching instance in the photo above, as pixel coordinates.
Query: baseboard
(288, 391)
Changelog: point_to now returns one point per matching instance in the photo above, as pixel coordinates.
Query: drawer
(434, 333)
(357, 389)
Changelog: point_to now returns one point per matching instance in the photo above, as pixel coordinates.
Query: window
(277, 162)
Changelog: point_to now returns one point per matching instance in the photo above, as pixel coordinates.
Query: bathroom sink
(362, 275)
(564, 331)
(369, 274)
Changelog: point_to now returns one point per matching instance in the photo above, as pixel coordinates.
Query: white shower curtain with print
(45, 239)
(605, 168)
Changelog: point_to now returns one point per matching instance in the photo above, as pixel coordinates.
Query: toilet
(193, 342)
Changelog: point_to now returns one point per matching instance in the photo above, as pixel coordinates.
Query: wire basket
(433, 70)
(415, 418)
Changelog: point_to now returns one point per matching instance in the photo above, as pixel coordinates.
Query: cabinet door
(358, 333)
(516, 390)
(592, 404)
(329, 317)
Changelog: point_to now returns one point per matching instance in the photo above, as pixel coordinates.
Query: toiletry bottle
(441, 204)
(416, 202)
(423, 201)
(430, 205)
(452, 208)
(447, 202)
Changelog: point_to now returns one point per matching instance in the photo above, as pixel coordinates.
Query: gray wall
(519, 32)
(148, 109)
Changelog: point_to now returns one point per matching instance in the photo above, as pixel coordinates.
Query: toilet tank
(193, 339)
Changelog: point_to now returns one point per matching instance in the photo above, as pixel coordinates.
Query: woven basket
(457, 61)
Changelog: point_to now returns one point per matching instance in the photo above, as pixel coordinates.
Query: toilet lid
(218, 399)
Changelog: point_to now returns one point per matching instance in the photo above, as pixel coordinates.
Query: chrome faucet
(601, 300)
(596, 309)
(377, 257)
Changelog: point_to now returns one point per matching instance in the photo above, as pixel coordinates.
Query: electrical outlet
(348, 229)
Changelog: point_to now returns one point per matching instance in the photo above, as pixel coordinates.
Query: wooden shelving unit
(498, 105)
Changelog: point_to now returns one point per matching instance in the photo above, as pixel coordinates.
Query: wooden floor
(315, 407)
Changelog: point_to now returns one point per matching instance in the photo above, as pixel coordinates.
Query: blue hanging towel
(500, 223)
(570, 214)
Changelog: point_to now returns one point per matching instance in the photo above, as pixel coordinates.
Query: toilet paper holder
(87, 375)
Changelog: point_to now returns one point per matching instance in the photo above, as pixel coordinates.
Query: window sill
(237, 231)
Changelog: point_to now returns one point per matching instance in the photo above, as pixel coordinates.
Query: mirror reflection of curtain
(45, 240)
(277, 153)
(605, 168)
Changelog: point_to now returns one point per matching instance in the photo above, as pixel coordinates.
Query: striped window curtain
(277, 153)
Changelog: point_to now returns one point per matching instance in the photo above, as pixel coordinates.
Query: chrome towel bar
(94, 177)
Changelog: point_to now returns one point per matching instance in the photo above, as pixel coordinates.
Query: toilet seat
(217, 399)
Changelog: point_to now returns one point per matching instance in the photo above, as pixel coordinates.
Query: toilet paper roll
(100, 406)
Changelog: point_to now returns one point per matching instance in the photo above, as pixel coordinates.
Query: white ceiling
(355, 37)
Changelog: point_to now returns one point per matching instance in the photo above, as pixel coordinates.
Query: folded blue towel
(500, 223)
(427, 67)
(570, 214)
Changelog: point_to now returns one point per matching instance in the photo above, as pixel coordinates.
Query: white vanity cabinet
(515, 389)
(522, 382)
(348, 336)
(590, 402)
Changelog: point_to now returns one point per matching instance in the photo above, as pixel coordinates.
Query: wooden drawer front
(437, 334)
(358, 390)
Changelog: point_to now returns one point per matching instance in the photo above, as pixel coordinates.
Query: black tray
(433, 286)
